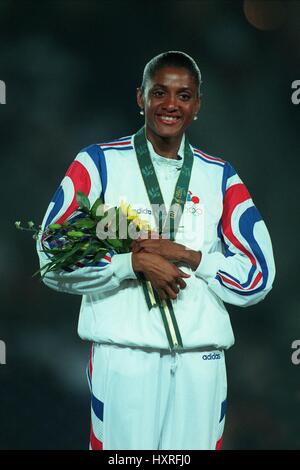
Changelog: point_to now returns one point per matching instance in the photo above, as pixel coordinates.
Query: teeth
(169, 118)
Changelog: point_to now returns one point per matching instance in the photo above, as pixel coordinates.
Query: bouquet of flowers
(87, 237)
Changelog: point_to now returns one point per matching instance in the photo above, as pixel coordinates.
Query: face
(170, 101)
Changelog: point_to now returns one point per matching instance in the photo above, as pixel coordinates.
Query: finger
(162, 294)
(133, 245)
(170, 292)
(135, 248)
(183, 274)
(174, 287)
(156, 241)
(181, 283)
(149, 250)
(144, 242)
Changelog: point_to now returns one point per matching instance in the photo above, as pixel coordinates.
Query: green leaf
(84, 223)
(61, 250)
(100, 255)
(115, 243)
(39, 271)
(60, 258)
(126, 245)
(54, 226)
(75, 234)
(91, 249)
(82, 200)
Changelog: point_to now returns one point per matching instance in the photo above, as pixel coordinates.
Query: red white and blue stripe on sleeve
(86, 173)
(242, 231)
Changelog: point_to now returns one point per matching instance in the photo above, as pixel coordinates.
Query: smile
(168, 119)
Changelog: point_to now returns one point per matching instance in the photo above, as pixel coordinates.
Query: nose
(170, 103)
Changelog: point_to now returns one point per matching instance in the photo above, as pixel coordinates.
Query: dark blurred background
(71, 69)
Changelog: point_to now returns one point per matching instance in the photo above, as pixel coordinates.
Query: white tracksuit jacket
(220, 219)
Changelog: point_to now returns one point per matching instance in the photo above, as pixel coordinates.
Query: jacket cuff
(209, 265)
(122, 266)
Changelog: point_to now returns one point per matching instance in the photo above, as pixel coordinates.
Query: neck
(165, 146)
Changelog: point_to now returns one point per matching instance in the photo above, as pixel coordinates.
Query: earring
(195, 117)
(142, 112)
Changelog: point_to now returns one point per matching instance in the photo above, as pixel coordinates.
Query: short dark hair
(171, 59)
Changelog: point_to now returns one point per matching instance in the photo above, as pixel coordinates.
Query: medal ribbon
(173, 218)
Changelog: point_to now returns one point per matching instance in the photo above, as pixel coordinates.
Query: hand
(161, 246)
(170, 250)
(163, 275)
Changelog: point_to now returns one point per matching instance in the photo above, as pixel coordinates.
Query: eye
(185, 96)
(158, 93)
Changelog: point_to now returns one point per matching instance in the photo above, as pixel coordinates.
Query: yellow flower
(131, 214)
(126, 210)
(142, 224)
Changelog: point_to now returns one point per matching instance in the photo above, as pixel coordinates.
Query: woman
(160, 383)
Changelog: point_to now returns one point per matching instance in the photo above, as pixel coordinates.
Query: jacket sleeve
(243, 271)
(87, 173)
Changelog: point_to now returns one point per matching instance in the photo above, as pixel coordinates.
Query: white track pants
(156, 400)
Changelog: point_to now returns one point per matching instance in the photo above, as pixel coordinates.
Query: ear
(140, 98)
